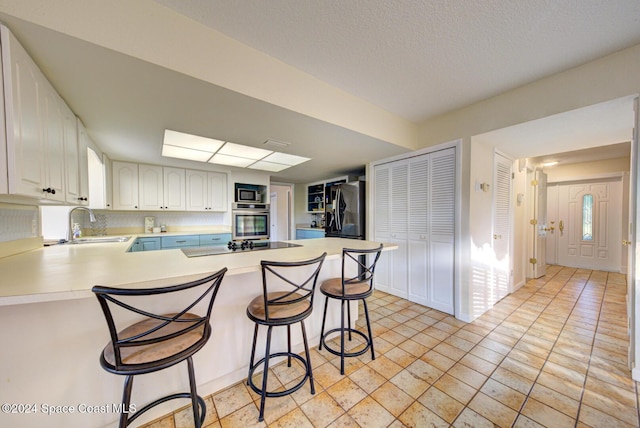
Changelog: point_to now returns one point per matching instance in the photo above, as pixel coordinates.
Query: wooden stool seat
(282, 312)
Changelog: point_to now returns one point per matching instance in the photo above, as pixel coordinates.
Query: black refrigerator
(344, 210)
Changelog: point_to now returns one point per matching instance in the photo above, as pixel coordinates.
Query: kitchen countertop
(66, 272)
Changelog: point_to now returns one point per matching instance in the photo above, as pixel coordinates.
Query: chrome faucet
(92, 218)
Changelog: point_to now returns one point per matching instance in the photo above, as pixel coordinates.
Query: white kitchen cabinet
(151, 188)
(206, 191)
(414, 207)
(108, 182)
(53, 129)
(83, 163)
(35, 146)
(147, 187)
(173, 189)
(161, 188)
(125, 186)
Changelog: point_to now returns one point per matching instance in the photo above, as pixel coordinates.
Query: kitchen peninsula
(53, 329)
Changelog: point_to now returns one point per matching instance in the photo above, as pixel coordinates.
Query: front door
(589, 224)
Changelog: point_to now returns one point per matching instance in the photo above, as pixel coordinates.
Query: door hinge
(534, 221)
(533, 261)
(534, 182)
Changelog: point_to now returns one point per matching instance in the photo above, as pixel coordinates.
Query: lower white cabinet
(414, 208)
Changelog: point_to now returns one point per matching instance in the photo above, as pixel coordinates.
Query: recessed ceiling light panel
(221, 159)
(268, 166)
(184, 153)
(285, 158)
(189, 141)
(248, 152)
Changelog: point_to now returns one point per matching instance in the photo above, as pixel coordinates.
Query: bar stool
(345, 289)
(283, 302)
(158, 341)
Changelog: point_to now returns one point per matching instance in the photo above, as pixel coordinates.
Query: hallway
(552, 354)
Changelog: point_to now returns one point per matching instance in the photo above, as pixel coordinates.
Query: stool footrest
(345, 353)
(202, 405)
(286, 391)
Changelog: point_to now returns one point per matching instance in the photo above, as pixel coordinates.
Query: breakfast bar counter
(53, 329)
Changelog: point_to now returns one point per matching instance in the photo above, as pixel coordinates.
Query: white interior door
(589, 224)
(274, 216)
(552, 224)
(540, 225)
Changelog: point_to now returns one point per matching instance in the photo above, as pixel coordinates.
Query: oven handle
(245, 212)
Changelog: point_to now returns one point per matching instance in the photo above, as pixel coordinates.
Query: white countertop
(65, 272)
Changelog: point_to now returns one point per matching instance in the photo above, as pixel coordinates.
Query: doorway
(281, 197)
(588, 217)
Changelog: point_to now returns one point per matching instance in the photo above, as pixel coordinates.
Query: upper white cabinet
(206, 191)
(161, 188)
(155, 188)
(83, 162)
(125, 185)
(39, 151)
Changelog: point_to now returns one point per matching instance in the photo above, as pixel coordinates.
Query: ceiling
(412, 58)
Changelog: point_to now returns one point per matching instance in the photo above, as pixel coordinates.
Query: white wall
(582, 86)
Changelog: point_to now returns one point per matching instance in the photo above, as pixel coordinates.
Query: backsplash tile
(127, 219)
(18, 222)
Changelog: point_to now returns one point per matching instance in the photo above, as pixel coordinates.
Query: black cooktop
(236, 247)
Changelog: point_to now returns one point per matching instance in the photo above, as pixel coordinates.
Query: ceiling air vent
(276, 144)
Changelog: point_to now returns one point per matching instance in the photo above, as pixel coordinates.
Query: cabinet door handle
(181, 242)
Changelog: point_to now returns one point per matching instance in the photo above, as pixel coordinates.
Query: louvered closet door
(501, 227)
(390, 222)
(414, 208)
(441, 226)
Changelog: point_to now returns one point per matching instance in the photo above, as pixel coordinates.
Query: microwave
(247, 195)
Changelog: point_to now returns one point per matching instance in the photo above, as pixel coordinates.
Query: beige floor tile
(438, 360)
(487, 354)
(322, 410)
(165, 422)
(467, 375)
(425, 371)
(400, 357)
(184, 417)
(478, 364)
(470, 419)
(326, 375)
(385, 367)
(277, 407)
(520, 368)
(502, 393)
(546, 415)
(344, 421)
(346, 393)
(410, 383)
(294, 419)
(555, 400)
(441, 404)
(392, 398)
(493, 410)
(419, 416)
(524, 422)
(370, 413)
(414, 348)
(450, 351)
(247, 416)
(231, 399)
(560, 385)
(367, 379)
(455, 388)
(425, 340)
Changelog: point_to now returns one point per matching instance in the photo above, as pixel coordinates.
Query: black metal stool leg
(366, 314)
(289, 345)
(253, 351)
(349, 319)
(197, 419)
(126, 400)
(324, 319)
(342, 337)
(306, 349)
(265, 375)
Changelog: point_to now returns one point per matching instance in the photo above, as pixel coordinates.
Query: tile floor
(552, 354)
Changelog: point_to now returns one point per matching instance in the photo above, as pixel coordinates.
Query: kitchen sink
(99, 239)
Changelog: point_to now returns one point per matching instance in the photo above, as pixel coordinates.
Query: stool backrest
(287, 273)
(177, 299)
(365, 268)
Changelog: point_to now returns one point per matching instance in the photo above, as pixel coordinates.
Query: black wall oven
(250, 221)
